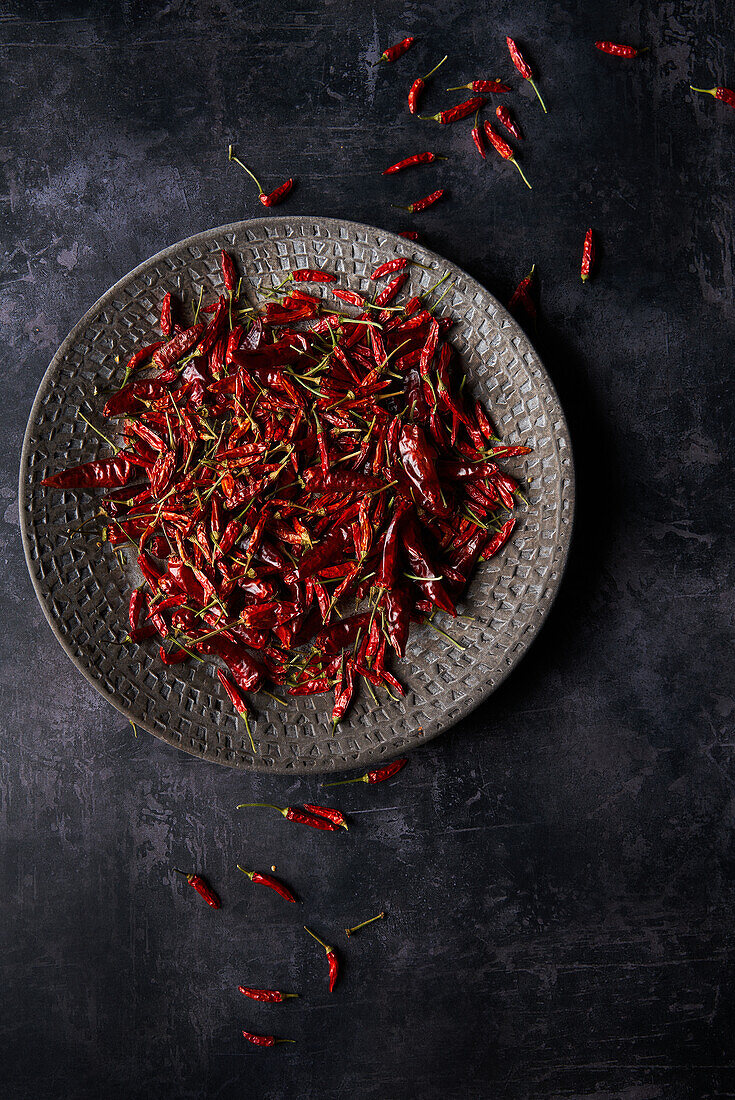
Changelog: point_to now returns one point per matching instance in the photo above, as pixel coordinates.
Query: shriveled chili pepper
(264, 1040)
(588, 255)
(379, 775)
(454, 114)
(497, 542)
(178, 347)
(335, 816)
(522, 295)
(331, 959)
(484, 87)
(201, 887)
(477, 137)
(274, 197)
(391, 289)
(506, 119)
(410, 162)
(524, 68)
(268, 880)
(388, 268)
(269, 996)
(292, 814)
(725, 95)
(422, 204)
(237, 701)
(618, 50)
(349, 931)
(501, 146)
(417, 88)
(312, 275)
(103, 474)
(166, 323)
(394, 52)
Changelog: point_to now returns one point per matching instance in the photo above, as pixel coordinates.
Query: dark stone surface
(558, 871)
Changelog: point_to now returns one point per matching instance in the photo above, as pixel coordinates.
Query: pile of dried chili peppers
(300, 483)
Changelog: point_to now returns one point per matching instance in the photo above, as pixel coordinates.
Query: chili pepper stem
(514, 161)
(706, 91)
(231, 156)
(431, 73)
(538, 93)
(342, 782)
(315, 937)
(244, 717)
(349, 931)
(264, 805)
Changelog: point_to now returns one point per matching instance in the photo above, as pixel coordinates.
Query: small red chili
(477, 137)
(274, 197)
(588, 255)
(410, 162)
(417, 88)
(331, 959)
(522, 295)
(454, 114)
(292, 814)
(506, 119)
(725, 95)
(237, 701)
(270, 996)
(166, 321)
(268, 880)
(229, 275)
(394, 52)
(389, 292)
(264, 1040)
(618, 50)
(377, 776)
(201, 887)
(483, 86)
(501, 146)
(388, 268)
(524, 69)
(335, 816)
(312, 275)
(422, 204)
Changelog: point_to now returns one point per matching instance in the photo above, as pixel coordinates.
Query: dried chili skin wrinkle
(501, 146)
(394, 52)
(423, 204)
(378, 775)
(332, 960)
(411, 162)
(506, 118)
(455, 114)
(202, 888)
(588, 255)
(264, 1040)
(274, 197)
(268, 880)
(293, 814)
(484, 87)
(522, 295)
(615, 49)
(523, 68)
(477, 137)
(725, 95)
(335, 816)
(417, 88)
(268, 996)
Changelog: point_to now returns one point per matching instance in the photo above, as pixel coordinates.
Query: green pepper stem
(538, 93)
(459, 87)
(432, 71)
(265, 805)
(342, 782)
(248, 873)
(315, 937)
(349, 931)
(706, 91)
(231, 156)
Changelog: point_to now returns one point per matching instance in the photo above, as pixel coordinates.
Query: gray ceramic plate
(84, 592)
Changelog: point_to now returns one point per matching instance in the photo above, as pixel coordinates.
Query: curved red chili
(166, 322)
(477, 137)
(293, 814)
(229, 275)
(418, 86)
(454, 114)
(524, 68)
(410, 162)
(269, 996)
(484, 87)
(409, 234)
(391, 289)
(506, 119)
(422, 204)
(394, 52)
(264, 1040)
(268, 880)
(312, 275)
(274, 197)
(201, 887)
(501, 146)
(331, 960)
(335, 816)
(725, 95)
(522, 295)
(388, 268)
(588, 255)
(618, 50)
(379, 775)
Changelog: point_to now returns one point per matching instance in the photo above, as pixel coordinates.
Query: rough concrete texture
(558, 870)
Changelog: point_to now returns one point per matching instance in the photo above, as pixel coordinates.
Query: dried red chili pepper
(454, 114)
(335, 816)
(331, 960)
(274, 197)
(264, 1040)
(166, 324)
(410, 162)
(506, 119)
(477, 137)
(522, 295)
(422, 204)
(409, 234)
(618, 50)
(349, 931)
(312, 275)
(269, 996)
(588, 255)
(178, 347)
(497, 542)
(268, 880)
(201, 887)
(237, 701)
(501, 146)
(725, 95)
(388, 268)
(229, 275)
(524, 68)
(292, 814)
(394, 52)
(379, 775)
(417, 88)
(484, 87)
(103, 474)
(391, 289)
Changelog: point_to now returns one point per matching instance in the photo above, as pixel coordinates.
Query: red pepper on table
(292, 814)
(178, 347)
(417, 88)
(331, 960)
(410, 162)
(497, 542)
(394, 52)
(422, 204)
(725, 95)
(506, 119)
(268, 880)
(524, 68)
(419, 462)
(142, 356)
(237, 701)
(484, 87)
(459, 111)
(501, 146)
(201, 887)
(379, 775)
(269, 996)
(335, 816)
(618, 50)
(264, 1040)
(588, 255)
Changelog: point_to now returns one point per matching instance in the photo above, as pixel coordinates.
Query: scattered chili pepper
(588, 255)
(522, 295)
(270, 996)
(410, 162)
(264, 1040)
(506, 119)
(417, 88)
(477, 137)
(501, 146)
(454, 114)
(274, 197)
(394, 52)
(379, 775)
(524, 69)
(409, 234)
(422, 204)
(292, 814)
(484, 87)
(268, 880)
(617, 50)
(237, 701)
(725, 95)
(335, 816)
(312, 275)
(388, 268)
(349, 931)
(166, 322)
(331, 959)
(201, 887)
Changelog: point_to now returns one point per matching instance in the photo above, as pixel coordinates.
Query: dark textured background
(558, 871)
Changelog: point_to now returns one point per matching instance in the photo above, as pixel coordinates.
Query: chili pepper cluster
(300, 485)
